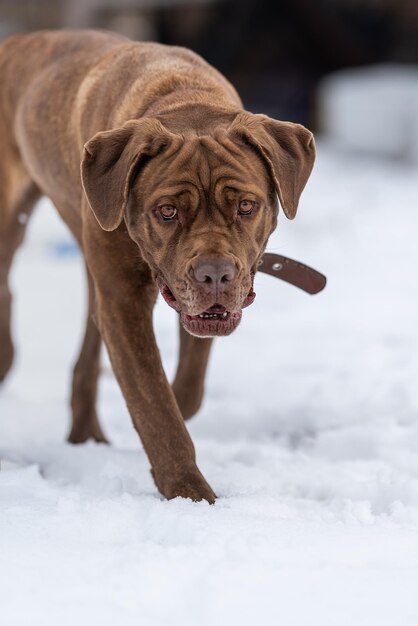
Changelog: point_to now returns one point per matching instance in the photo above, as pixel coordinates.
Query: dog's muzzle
(216, 319)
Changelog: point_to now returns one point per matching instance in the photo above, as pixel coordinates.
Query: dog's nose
(217, 274)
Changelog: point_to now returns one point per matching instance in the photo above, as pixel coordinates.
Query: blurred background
(287, 58)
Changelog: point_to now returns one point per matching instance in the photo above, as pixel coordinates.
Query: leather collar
(292, 272)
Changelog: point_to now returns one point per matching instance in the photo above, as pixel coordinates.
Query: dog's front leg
(125, 296)
(125, 320)
(188, 385)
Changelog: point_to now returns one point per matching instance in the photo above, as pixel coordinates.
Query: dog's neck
(193, 112)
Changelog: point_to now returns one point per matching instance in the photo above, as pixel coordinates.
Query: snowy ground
(309, 436)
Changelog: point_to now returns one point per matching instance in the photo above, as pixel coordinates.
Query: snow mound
(372, 109)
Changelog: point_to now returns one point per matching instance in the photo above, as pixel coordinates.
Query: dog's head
(200, 206)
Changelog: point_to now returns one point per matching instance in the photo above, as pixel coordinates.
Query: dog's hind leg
(18, 195)
(85, 424)
(188, 385)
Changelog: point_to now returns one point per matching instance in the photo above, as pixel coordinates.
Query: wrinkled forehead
(208, 162)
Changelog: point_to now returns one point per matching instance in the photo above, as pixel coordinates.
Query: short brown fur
(157, 132)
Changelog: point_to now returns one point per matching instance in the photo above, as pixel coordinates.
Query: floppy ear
(110, 160)
(287, 149)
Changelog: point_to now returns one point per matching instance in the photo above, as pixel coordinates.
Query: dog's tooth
(214, 316)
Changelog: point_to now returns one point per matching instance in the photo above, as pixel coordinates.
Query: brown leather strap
(292, 272)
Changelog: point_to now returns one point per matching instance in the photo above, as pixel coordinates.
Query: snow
(373, 109)
(309, 436)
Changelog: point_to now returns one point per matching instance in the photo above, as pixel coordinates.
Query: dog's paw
(190, 484)
(81, 432)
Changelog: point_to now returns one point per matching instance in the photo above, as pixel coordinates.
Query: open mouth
(214, 321)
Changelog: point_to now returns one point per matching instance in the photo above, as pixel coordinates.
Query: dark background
(274, 52)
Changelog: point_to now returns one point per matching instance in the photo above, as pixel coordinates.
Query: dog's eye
(168, 211)
(246, 207)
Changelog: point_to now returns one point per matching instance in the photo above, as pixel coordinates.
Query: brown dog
(177, 190)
